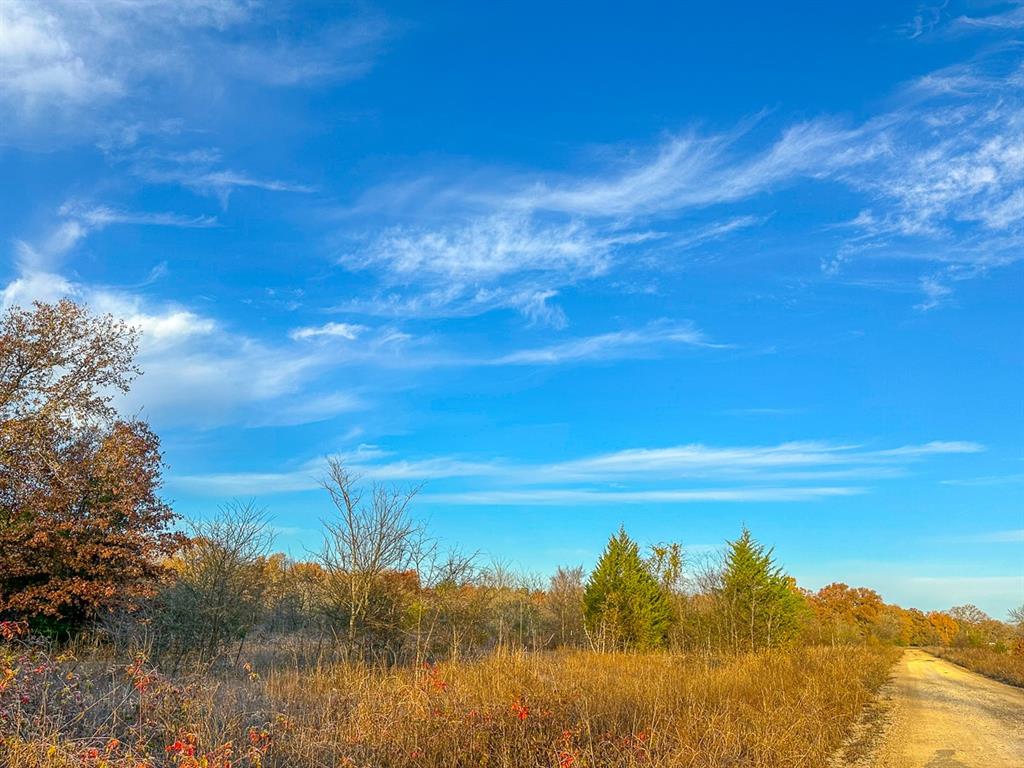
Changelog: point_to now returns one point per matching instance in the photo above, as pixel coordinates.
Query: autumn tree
(944, 626)
(977, 628)
(82, 527)
(1016, 617)
(846, 614)
(761, 604)
(624, 605)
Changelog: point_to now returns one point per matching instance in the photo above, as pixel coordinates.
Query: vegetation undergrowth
(567, 709)
(1004, 665)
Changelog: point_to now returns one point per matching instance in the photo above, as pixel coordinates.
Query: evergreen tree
(623, 604)
(762, 606)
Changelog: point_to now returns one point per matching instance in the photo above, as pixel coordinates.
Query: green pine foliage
(624, 605)
(763, 607)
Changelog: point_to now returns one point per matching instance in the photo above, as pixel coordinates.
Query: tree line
(86, 541)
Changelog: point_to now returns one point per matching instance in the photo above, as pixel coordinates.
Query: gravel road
(938, 715)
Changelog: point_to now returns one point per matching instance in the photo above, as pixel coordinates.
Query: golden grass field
(508, 710)
(999, 665)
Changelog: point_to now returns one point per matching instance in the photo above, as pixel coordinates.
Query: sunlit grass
(507, 710)
(1003, 665)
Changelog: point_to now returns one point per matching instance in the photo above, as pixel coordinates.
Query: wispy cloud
(35, 285)
(100, 216)
(696, 460)
(196, 371)
(39, 61)
(1010, 19)
(486, 249)
(367, 462)
(975, 585)
(1012, 536)
(201, 176)
(762, 411)
(63, 62)
(605, 346)
(565, 496)
(77, 220)
(934, 292)
(946, 187)
(518, 246)
(350, 331)
(939, 176)
(933, 448)
(694, 171)
(339, 52)
(789, 471)
(204, 373)
(1010, 479)
(470, 267)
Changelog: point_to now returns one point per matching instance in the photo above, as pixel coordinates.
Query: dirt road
(938, 715)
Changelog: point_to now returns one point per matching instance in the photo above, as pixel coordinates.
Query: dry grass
(565, 710)
(1005, 666)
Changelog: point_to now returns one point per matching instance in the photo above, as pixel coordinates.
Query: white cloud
(940, 175)
(174, 325)
(158, 330)
(195, 371)
(348, 331)
(73, 58)
(337, 53)
(960, 589)
(224, 379)
(519, 246)
(223, 181)
(35, 286)
(1011, 19)
(38, 61)
(308, 409)
(692, 171)
(697, 460)
(947, 187)
(935, 292)
(608, 346)
(1010, 479)
(100, 216)
(1013, 536)
(77, 220)
(248, 483)
(933, 448)
(789, 471)
(366, 462)
(485, 249)
(504, 260)
(567, 496)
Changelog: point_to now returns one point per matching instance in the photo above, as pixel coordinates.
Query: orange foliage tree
(946, 627)
(81, 525)
(846, 613)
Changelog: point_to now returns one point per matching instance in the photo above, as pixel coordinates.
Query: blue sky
(570, 265)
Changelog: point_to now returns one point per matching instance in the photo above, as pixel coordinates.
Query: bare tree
(565, 603)
(450, 604)
(1017, 618)
(217, 595)
(371, 547)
